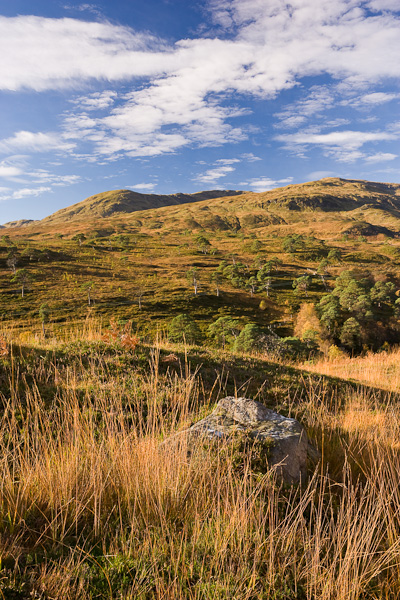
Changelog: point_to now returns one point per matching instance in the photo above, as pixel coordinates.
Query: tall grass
(379, 370)
(92, 505)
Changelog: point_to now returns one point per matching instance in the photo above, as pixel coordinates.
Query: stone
(288, 446)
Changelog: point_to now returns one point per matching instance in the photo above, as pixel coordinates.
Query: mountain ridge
(357, 199)
(105, 204)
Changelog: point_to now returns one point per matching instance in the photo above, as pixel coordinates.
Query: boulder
(285, 438)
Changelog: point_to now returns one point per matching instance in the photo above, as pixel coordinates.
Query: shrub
(250, 338)
(184, 329)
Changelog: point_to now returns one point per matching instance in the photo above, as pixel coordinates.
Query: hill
(19, 223)
(139, 266)
(119, 331)
(125, 201)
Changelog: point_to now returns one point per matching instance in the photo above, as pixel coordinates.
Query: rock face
(286, 438)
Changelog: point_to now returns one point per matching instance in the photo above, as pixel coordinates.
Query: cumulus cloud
(28, 141)
(91, 8)
(266, 47)
(212, 176)
(370, 101)
(96, 101)
(43, 176)
(250, 157)
(265, 183)
(64, 53)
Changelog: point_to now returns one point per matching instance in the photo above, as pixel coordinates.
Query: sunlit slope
(125, 201)
(329, 208)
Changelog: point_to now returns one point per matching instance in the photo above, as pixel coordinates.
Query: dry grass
(92, 506)
(380, 370)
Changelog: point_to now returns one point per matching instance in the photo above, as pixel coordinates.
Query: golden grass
(381, 370)
(93, 506)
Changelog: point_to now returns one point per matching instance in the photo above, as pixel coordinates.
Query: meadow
(94, 380)
(93, 506)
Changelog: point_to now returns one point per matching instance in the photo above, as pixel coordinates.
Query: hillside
(139, 266)
(125, 201)
(118, 332)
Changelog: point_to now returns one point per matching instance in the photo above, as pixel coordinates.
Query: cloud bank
(188, 93)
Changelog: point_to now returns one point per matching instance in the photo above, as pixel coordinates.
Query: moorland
(123, 321)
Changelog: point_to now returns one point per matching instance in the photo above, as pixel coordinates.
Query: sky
(167, 96)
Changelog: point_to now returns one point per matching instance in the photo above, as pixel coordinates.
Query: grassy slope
(162, 247)
(126, 201)
(92, 507)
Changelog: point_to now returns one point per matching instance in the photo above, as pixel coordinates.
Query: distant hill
(328, 208)
(19, 223)
(334, 194)
(125, 201)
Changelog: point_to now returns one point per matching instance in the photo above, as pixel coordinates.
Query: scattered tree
(184, 329)
(203, 244)
(193, 279)
(249, 339)
(216, 280)
(224, 330)
(307, 325)
(302, 284)
(251, 285)
(23, 277)
(88, 286)
(44, 315)
(350, 334)
(12, 260)
(334, 255)
(80, 238)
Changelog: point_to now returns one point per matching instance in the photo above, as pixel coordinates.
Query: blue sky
(168, 96)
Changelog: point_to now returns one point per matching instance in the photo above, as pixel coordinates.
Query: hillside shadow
(275, 384)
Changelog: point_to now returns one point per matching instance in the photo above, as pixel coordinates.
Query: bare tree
(193, 278)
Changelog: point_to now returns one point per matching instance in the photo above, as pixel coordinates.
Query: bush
(250, 338)
(184, 329)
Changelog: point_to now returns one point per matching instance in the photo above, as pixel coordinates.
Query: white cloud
(371, 100)
(265, 183)
(380, 157)
(270, 46)
(9, 171)
(25, 193)
(92, 8)
(96, 101)
(43, 176)
(28, 141)
(250, 157)
(143, 186)
(378, 98)
(349, 139)
(212, 176)
(63, 53)
(343, 146)
(227, 161)
(379, 5)
(318, 100)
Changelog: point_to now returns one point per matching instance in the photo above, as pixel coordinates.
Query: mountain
(125, 201)
(144, 257)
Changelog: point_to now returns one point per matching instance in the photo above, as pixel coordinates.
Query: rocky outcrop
(286, 439)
